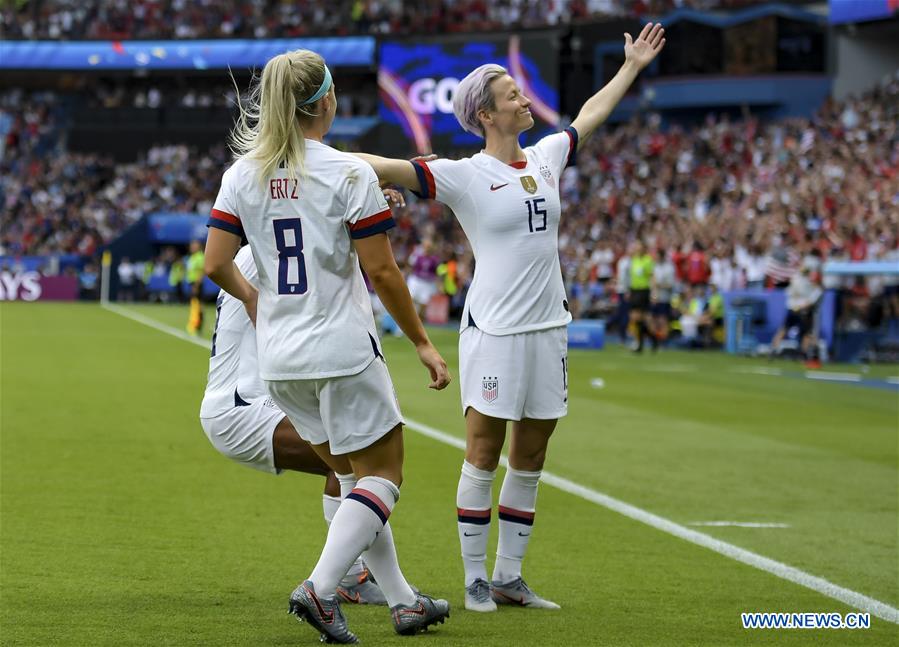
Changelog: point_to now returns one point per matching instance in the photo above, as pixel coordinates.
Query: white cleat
(517, 593)
(477, 597)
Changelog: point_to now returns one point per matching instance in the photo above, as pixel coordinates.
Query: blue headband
(325, 86)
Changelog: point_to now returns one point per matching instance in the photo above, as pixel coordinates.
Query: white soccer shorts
(350, 412)
(524, 375)
(245, 434)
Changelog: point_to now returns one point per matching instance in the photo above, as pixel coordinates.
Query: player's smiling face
(512, 113)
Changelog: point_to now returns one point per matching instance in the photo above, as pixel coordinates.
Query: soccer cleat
(410, 619)
(477, 597)
(323, 614)
(364, 591)
(517, 592)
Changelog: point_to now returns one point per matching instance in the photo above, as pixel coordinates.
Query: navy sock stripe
(478, 521)
(525, 521)
(371, 505)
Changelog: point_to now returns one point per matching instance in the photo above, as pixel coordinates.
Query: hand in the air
(647, 46)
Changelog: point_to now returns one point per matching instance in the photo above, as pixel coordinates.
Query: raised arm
(637, 55)
(392, 171)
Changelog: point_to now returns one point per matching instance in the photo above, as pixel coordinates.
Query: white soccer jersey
(510, 214)
(233, 365)
(314, 317)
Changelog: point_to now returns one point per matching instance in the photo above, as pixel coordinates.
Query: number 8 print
(288, 251)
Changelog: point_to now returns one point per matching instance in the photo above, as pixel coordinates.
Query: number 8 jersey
(510, 214)
(314, 318)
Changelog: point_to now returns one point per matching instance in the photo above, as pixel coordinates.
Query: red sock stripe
(516, 516)
(477, 517)
(473, 513)
(372, 498)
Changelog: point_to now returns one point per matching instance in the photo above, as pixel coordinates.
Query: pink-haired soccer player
(513, 343)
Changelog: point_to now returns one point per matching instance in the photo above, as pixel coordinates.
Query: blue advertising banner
(860, 10)
(177, 55)
(176, 228)
(417, 82)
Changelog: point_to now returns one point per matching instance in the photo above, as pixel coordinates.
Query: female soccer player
(513, 343)
(311, 214)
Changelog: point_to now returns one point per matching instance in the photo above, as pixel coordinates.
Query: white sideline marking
(779, 569)
(833, 377)
(758, 370)
(147, 321)
(740, 524)
(783, 571)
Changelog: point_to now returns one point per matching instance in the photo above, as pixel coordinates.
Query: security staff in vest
(641, 270)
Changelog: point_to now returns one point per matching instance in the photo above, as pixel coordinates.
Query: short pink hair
(474, 94)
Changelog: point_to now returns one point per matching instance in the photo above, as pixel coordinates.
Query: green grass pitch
(121, 525)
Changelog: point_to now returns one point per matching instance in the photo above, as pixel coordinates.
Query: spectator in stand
(696, 266)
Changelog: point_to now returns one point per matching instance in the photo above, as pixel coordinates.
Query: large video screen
(417, 82)
(860, 10)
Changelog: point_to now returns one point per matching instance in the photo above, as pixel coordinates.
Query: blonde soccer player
(513, 361)
(311, 215)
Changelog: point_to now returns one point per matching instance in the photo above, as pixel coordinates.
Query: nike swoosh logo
(494, 187)
(420, 611)
(327, 617)
(470, 534)
(511, 599)
(524, 534)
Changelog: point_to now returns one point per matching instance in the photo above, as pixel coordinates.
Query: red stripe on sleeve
(570, 143)
(226, 217)
(371, 220)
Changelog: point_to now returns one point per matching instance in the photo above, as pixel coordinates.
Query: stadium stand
(151, 19)
(746, 196)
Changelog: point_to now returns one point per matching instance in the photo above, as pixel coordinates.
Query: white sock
(347, 483)
(330, 504)
(355, 526)
(381, 559)
(474, 499)
(517, 502)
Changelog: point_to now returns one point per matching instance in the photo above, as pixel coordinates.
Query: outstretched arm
(392, 171)
(637, 55)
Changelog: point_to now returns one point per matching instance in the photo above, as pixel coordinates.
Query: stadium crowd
(731, 202)
(183, 19)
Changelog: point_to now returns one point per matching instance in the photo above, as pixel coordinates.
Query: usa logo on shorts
(490, 389)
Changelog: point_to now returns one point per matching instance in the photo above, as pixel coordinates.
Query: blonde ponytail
(269, 129)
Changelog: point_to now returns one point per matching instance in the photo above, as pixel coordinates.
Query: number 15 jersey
(314, 318)
(510, 214)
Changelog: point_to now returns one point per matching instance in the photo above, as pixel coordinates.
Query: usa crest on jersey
(547, 175)
(489, 389)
